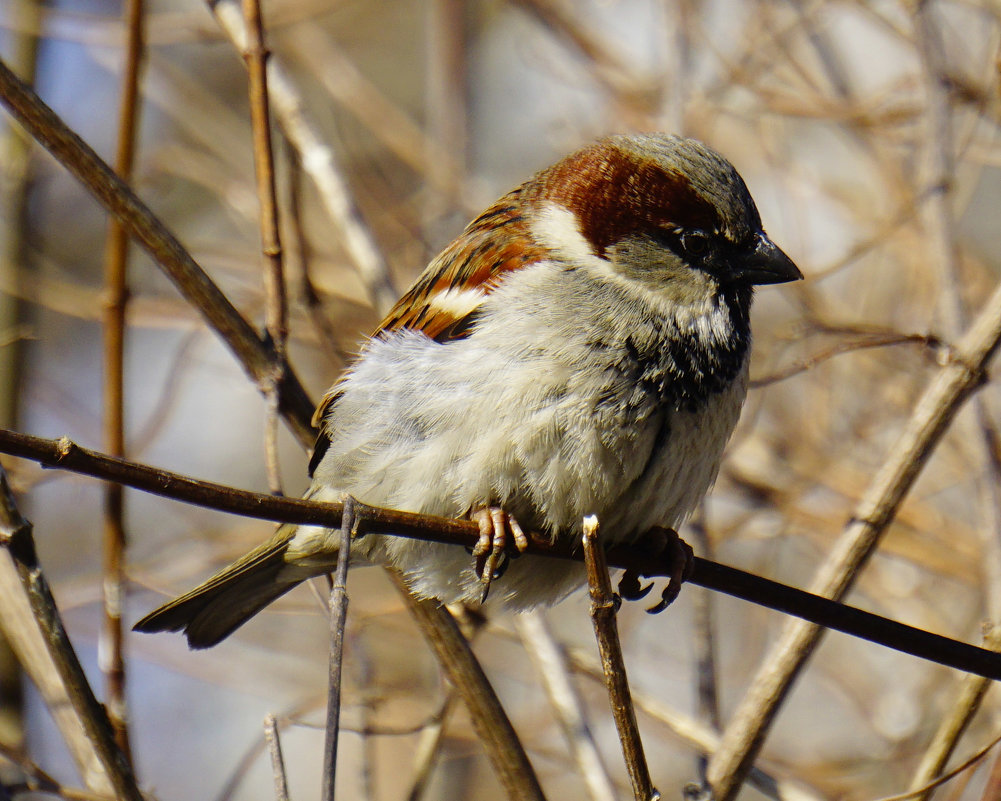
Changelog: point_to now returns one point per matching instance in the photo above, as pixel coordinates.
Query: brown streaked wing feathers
(494, 244)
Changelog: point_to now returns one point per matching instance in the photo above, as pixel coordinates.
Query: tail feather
(215, 609)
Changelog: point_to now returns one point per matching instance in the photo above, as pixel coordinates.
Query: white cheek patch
(556, 227)
(456, 301)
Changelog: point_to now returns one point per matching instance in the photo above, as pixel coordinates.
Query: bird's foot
(498, 531)
(662, 543)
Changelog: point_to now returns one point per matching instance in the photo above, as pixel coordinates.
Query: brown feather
(223, 603)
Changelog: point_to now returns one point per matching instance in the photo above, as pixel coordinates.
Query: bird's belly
(415, 434)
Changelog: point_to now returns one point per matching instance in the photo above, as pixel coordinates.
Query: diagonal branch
(30, 621)
(964, 372)
(256, 357)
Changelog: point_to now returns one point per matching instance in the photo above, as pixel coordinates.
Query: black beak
(766, 264)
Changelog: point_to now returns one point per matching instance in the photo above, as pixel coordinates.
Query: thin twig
(277, 760)
(257, 746)
(550, 661)
(338, 616)
(944, 396)
(865, 343)
(694, 733)
(603, 609)
(705, 573)
(992, 787)
(319, 161)
(298, 260)
(254, 355)
(116, 286)
(255, 56)
(30, 621)
(966, 764)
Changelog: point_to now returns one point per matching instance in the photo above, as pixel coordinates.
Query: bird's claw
(498, 530)
(663, 544)
(629, 586)
(681, 558)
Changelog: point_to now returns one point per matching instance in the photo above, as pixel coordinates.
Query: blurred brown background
(868, 135)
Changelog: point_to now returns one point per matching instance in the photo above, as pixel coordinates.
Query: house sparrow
(581, 348)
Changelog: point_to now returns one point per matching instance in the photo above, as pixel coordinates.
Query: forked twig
(603, 609)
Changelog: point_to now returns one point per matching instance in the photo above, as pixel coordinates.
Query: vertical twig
(321, 164)
(116, 287)
(606, 631)
(551, 663)
(277, 760)
(338, 615)
(256, 55)
(447, 115)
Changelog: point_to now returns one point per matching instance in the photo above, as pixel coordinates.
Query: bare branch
(338, 617)
(738, 583)
(31, 623)
(603, 610)
(506, 753)
(255, 55)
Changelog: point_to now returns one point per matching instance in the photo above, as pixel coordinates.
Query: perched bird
(581, 348)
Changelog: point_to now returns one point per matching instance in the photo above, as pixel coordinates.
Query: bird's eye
(695, 243)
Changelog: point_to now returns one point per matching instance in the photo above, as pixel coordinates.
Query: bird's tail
(213, 610)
